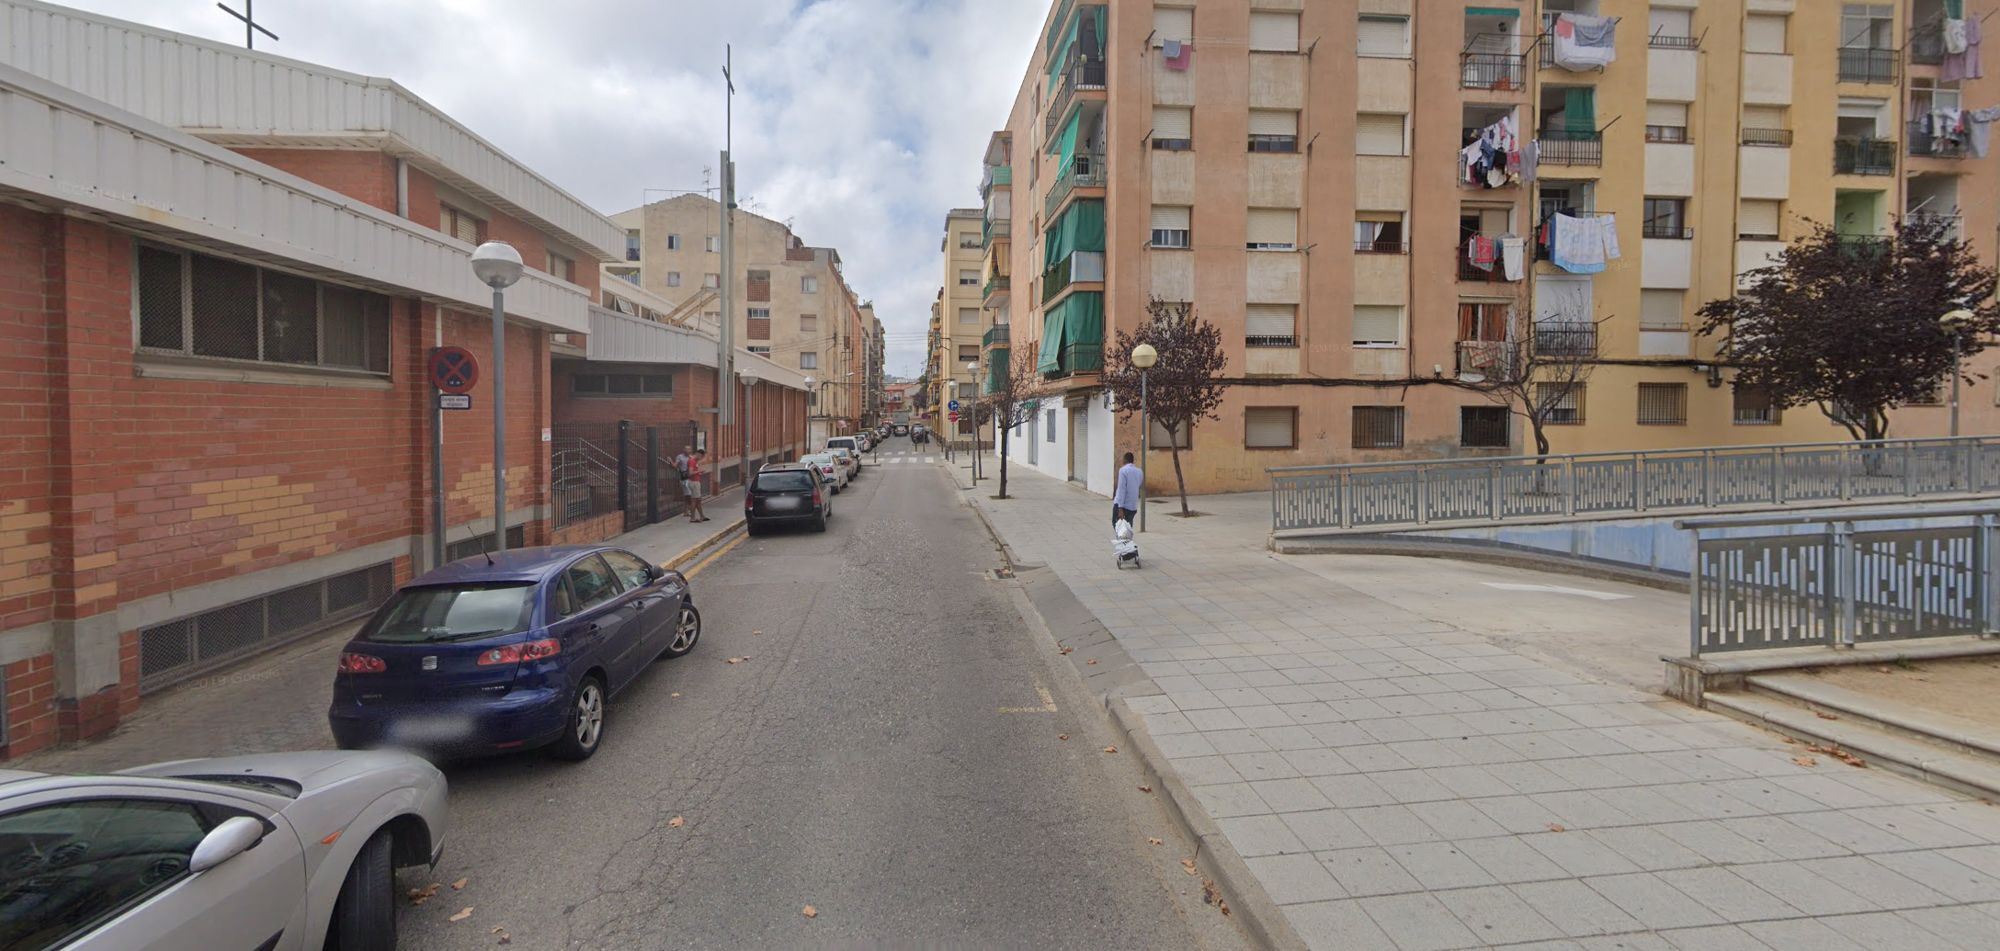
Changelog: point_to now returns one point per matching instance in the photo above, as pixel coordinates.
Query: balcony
(1087, 171)
(1923, 144)
(1078, 358)
(1558, 147)
(1927, 44)
(1497, 71)
(1493, 360)
(1565, 338)
(995, 335)
(995, 294)
(1467, 271)
(1859, 156)
(1084, 72)
(990, 229)
(1665, 230)
(997, 176)
(1768, 138)
(1866, 65)
(1081, 267)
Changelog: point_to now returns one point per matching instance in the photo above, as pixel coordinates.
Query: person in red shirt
(692, 486)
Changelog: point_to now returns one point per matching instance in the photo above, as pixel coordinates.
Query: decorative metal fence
(1388, 495)
(1808, 581)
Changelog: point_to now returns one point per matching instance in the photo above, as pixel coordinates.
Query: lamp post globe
(496, 264)
(1144, 356)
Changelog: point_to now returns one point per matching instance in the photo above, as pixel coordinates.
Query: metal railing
(1524, 488)
(1493, 359)
(1769, 138)
(1083, 71)
(583, 478)
(1814, 581)
(1557, 147)
(1922, 143)
(1565, 338)
(1858, 156)
(996, 334)
(1086, 171)
(998, 283)
(1501, 71)
(1867, 65)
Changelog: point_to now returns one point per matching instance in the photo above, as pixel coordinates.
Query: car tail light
(817, 501)
(519, 653)
(361, 664)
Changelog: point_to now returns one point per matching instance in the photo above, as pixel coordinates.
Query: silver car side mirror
(233, 837)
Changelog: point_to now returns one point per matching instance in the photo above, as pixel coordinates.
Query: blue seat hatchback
(477, 658)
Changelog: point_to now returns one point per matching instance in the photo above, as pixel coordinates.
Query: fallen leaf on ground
(505, 938)
(420, 895)
(1066, 650)
(1213, 896)
(1187, 865)
(673, 695)
(463, 913)
(755, 633)
(1062, 736)
(1557, 827)
(1090, 663)
(1791, 741)
(736, 660)
(676, 822)
(1853, 760)
(1805, 761)
(1153, 841)
(1145, 789)
(1822, 714)
(1111, 749)
(455, 886)
(809, 911)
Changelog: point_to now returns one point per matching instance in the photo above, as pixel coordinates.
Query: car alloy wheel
(687, 630)
(586, 722)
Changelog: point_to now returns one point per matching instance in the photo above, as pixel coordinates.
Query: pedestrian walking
(691, 485)
(1125, 499)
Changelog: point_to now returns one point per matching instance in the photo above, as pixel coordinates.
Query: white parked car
(850, 443)
(831, 471)
(849, 458)
(285, 850)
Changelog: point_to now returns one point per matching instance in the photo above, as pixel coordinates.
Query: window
(968, 315)
(673, 278)
(1663, 404)
(1270, 325)
(1867, 26)
(808, 323)
(561, 267)
(808, 285)
(1486, 321)
(1160, 437)
(1666, 218)
(761, 351)
(1861, 117)
(1049, 428)
(1765, 125)
(1173, 128)
(1378, 325)
(757, 284)
(1272, 32)
(1274, 130)
(970, 241)
(968, 392)
(69, 867)
(202, 306)
(1270, 427)
(461, 224)
(1384, 36)
(1765, 32)
(808, 361)
(968, 351)
(621, 384)
(1667, 122)
(631, 572)
(590, 584)
(1378, 427)
(632, 245)
(1379, 133)
(714, 243)
(757, 324)
(1670, 28)
(1273, 229)
(1563, 403)
(1661, 310)
(1171, 226)
(968, 278)
(1754, 406)
(1482, 427)
(1173, 23)
(1379, 232)
(673, 242)
(1757, 220)
(711, 281)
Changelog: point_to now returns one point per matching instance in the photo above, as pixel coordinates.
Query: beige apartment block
(792, 302)
(962, 318)
(1295, 172)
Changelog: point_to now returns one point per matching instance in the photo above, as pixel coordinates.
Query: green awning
(1081, 228)
(1049, 359)
(1083, 331)
(1491, 12)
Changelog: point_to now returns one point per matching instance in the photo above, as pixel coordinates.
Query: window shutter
(1377, 324)
(1862, 108)
(1660, 308)
(1273, 122)
(1173, 23)
(1274, 226)
(1170, 217)
(1666, 21)
(1274, 32)
(1667, 113)
(1764, 33)
(1763, 117)
(1267, 427)
(1757, 217)
(1270, 320)
(1384, 36)
(1378, 134)
(1173, 122)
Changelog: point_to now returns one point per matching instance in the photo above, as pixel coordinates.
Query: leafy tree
(1850, 323)
(1542, 371)
(1183, 387)
(1009, 404)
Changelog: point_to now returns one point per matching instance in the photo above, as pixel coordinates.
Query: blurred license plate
(781, 504)
(430, 729)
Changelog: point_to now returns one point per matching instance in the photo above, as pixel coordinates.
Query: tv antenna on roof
(250, 25)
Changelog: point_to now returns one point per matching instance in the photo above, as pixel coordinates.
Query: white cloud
(861, 121)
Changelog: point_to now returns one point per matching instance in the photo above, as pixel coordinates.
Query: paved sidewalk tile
(1400, 772)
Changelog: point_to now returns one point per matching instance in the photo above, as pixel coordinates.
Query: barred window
(202, 306)
(1564, 403)
(1378, 427)
(1663, 404)
(622, 384)
(1754, 406)
(1482, 427)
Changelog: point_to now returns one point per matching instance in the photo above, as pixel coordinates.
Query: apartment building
(996, 193)
(1311, 176)
(962, 317)
(792, 301)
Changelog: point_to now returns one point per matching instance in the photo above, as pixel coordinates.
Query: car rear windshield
(453, 613)
(845, 442)
(793, 481)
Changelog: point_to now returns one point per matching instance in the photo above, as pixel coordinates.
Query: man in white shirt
(1125, 500)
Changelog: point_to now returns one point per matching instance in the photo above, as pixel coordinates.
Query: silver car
(283, 850)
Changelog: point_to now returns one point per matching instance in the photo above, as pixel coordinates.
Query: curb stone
(702, 547)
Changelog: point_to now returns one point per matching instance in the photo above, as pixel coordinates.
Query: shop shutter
(1378, 325)
(1268, 427)
(1273, 122)
(1274, 32)
(1757, 217)
(1173, 122)
(1667, 113)
(1384, 36)
(1170, 217)
(1378, 133)
(1270, 320)
(1173, 23)
(1275, 228)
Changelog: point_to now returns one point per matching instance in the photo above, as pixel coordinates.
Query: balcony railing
(1087, 171)
(1082, 72)
(1381, 247)
(1856, 156)
(1864, 65)
(1671, 232)
(996, 334)
(1661, 41)
(1271, 341)
(996, 176)
(1923, 144)
(1082, 267)
(1502, 71)
(1565, 338)
(1493, 359)
(1467, 271)
(1770, 138)
(991, 229)
(1558, 147)
(997, 283)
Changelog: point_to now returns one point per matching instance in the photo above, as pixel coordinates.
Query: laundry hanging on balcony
(1584, 42)
(1177, 55)
(1963, 64)
(1513, 250)
(1979, 130)
(1942, 131)
(1481, 251)
(1497, 156)
(1582, 245)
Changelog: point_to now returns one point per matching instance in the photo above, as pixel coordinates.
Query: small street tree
(1009, 404)
(1540, 375)
(1849, 324)
(1185, 386)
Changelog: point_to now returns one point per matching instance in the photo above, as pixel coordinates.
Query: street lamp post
(1143, 357)
(498, 266)
(1953, 322)
(972, 370)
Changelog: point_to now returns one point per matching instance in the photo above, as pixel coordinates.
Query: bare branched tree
(1540, 372)
(1185, 386)
(1009, 404)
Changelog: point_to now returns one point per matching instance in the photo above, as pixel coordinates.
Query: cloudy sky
(860, 121)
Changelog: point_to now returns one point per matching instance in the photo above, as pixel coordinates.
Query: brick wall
(369, 176)
(777, 414)
(26, 552)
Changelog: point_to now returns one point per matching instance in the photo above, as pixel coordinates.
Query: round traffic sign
(952, 405)
(453, 369)
(954, 417)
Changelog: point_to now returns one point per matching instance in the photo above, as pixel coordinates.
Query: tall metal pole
(1956, 344)
(725, 361)
(1145, 447)
(499, 420)
(437, 479)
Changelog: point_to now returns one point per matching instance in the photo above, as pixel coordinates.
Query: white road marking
(1556, 589)
(1048, 703)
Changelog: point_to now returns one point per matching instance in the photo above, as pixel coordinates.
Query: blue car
(513, 653)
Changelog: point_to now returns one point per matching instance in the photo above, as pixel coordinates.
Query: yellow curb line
(696, 551)
(712, 559)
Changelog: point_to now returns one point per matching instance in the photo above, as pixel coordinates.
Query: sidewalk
(1409, 754)
(661, 543)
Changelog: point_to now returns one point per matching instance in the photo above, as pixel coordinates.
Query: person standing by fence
(691, 485)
